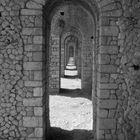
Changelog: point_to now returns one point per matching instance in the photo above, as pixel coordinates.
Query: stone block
(104, 59)
(32, 66)
(42, 2)
(38, 111)
(108, 86)
(38, 21)
(38, 31)
(113, 13)
(28, 31)
(38, 75)
(103, 94)
(107, 124)
(101, 135)
(109, 7)
(33, 83)
(37, 56)
(109, 31)
(108, 104)
(37, 92)
(38, 40)
(103, 77)
(32, 121)
(103, 113)
(111, 113)
(33, 5)
(109, 49)
(105, 21)
(32, 102)
(31, 12)
(31, 48)
(39, 132)
(32, 31)
(108, 68)
(105, 2)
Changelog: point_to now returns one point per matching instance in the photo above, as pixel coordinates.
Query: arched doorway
(100, 51)
(31, 53)
(60, 25)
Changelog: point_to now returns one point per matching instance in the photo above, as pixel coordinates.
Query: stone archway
(101, 87)
(76, 33)
(34, 18)
(103, 31)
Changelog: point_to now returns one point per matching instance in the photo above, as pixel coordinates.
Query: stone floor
(70, 117)
(70, 113)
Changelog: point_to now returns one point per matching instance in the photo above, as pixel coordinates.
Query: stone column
(54, 77)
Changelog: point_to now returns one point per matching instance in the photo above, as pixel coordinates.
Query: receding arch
(51, 9)
(100, 32)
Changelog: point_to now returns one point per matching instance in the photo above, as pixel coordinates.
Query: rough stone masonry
(24, 66)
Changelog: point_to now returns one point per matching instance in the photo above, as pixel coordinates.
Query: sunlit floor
(67, 83)
(70, 113)
(70, 110)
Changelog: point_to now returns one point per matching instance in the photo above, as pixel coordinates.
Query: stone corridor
(41, 41)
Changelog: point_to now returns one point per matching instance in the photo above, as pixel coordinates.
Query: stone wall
(21, 70)
(24, 66)
(129, 79)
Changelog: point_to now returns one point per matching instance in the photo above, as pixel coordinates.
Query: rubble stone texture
(25, 65)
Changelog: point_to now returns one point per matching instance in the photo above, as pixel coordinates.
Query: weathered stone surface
(108, 86)
(109, 49)
(32, 66)
(37, 56)
(40, 1)
(107, 123)
(110, 31)
(32, 12)
(108, 68)
(32, 102)
(32, 121)
(33, 83)
(39, 132)
(103, 113)
(110, 7)
(37, 92)
(114, 13)
(32, 48)
(104, 94)
(32, 31)
(38, 111)
(33, 5)
(103, 2)
(104, 59)
(38, 40)
(108, 104)
(38, 75)
(21, 38)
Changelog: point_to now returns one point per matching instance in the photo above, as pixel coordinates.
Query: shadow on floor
(74, 93)
(60, 134)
